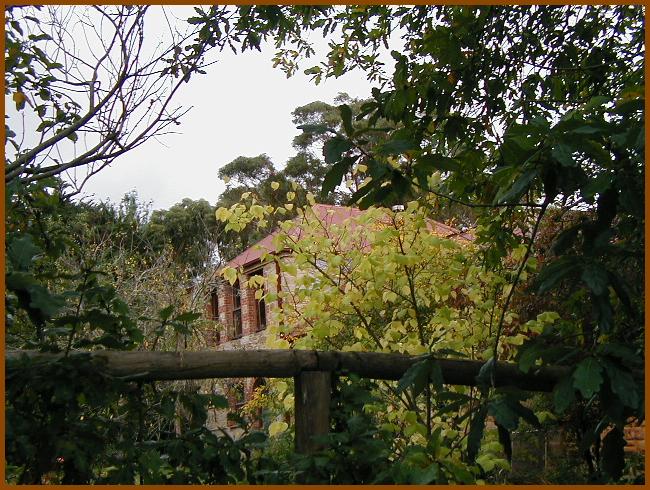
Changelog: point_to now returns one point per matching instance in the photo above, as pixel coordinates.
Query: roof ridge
(252, 253)
(319, 204)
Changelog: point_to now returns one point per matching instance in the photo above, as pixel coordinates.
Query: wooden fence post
(313, 390)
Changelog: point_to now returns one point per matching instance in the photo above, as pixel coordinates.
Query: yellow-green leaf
(229, 274)
(19, 99)
(277, 427)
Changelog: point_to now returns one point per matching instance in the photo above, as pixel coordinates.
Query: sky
(241, 107)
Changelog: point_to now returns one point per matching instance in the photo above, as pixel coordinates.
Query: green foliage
(71, 423)
(391, 281)
(96, 429)
(302, 174)
(359, 451)
(532, 117)
(564, 136)
(190, 228)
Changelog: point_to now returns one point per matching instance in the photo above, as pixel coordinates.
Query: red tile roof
(328, 215)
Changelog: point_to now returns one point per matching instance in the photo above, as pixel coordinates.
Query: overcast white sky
(242, 106)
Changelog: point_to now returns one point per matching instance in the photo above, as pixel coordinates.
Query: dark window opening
(260, 306)
(214, 306)
(214, 315)
(261, 315)
(236, 400)
(236, 312)
(238, 395)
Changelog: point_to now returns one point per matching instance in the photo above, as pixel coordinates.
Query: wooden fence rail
(311, 370)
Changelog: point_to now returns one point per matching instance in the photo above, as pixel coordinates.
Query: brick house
(241, 319)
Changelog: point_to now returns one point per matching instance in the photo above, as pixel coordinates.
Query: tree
(310, 165)
(393, 282)
(89, 83)
(191, 229)
(302, 174)
(89, 94)
(513, 112)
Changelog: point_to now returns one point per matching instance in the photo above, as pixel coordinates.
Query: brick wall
(635, 437)
(248, 308)
(251, 338)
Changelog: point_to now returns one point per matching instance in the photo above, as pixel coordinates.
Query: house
(241, 318)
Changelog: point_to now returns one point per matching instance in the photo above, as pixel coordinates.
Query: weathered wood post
(313, 390)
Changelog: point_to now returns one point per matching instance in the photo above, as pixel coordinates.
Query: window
(214, 306)
(236, 401)
(236, 311)
(260, 306)
(238, 396)
(214, 315)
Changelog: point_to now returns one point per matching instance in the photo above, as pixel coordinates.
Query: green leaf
(563, 154)
(622, 290)
(397, 147)
(21, 252)
(217, 401)
(47, 303)
(346, 117)
(553, 273)
(501, 409)
(416, 377)
(596, 185)
(363, 191)
(519, 186)
(613, 454)
(166, 312)
(506, 441)
(587, 377)
(528, 355)
(476, 427)
(596, 102)
(565, 240)
(486, 373)
(524, 412)
(595, 277)
(622, 383)
(428, 475)
(586, 129)
(435, 374)
(335, 147)
(622, 352)
(188, 317)
(563, 394)
(335, 175)
(604, 312)
(425, 165)
(378, 195)
(315, 128)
